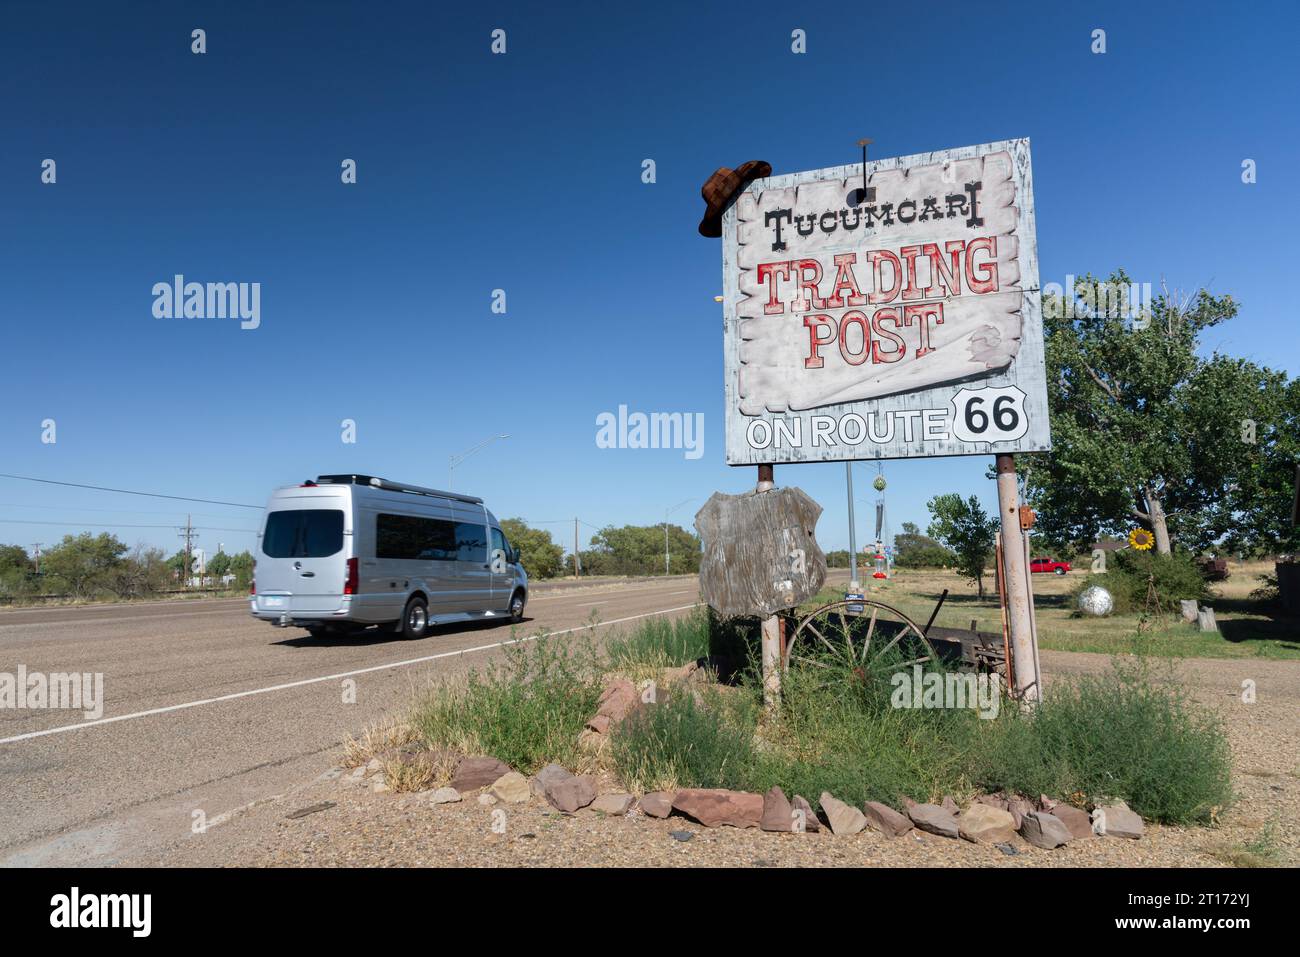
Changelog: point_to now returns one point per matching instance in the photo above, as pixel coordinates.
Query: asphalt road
(206, 709)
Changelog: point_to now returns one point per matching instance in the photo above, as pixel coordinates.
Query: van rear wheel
(415, 619)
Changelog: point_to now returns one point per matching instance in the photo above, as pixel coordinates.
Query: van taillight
(252, 581)
(350, 586)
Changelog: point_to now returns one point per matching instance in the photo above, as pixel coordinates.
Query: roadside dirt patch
(365, 829)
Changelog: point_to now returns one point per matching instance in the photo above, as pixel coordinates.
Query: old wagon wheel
(863, 637)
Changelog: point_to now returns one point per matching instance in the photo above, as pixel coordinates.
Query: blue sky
(522, 172)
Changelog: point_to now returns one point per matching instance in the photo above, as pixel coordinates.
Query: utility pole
(1024, 680)
(36, 548)
(577, 570)
(189, 535)
(667, 512)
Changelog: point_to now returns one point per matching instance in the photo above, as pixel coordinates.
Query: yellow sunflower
(1141, 539)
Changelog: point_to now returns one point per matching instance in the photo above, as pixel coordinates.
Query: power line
(110, 511)
(206, 528)
(125, 491)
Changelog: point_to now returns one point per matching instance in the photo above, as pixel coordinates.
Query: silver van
(353, 550)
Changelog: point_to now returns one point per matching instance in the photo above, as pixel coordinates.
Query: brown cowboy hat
(724, 186)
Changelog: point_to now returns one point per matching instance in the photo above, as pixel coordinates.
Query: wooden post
(771, 631)
(1024, 679)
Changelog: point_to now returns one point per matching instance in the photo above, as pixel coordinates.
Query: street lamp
(454, 460)
(668, 512)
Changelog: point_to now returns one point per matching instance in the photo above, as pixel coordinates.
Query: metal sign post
(771, 630)
(853, 536)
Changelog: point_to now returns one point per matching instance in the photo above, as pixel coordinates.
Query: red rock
(810, 822)
(1019, 807)
(1044, 830)
(479, 772)
(615, 805)
(932, 818)
(883, 818)
(778, 816)
(843, 818)
(1078, 822)
(618, 698)
(572, 793)
(714, 807)
(657, 803)
(987, 825)
(1117, 820)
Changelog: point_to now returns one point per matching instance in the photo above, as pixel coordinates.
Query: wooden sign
(898, 323)
(760, 553)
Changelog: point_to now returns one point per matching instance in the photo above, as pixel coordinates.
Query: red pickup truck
(1049, 565)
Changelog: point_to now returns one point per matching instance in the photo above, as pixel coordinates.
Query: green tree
(963, 526)
(14, 558)
(83, 564)
(1144, 430)
(241, 566)
(541, 557)
(183, 565)
(219, 566)
(145, 571)
(1255, 515)
(17, 571)
(838, 558)
(639, 550)
(914, 550)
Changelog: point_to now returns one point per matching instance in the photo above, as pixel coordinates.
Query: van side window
(499, 542)
(471, 542)
(413, 538)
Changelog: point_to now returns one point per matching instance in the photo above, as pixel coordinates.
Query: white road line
(114, 619)
(336, 677)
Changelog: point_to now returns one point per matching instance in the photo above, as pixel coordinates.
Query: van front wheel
(516, 607)
(415, 619)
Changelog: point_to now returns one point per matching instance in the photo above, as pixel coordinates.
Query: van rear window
(303, 533)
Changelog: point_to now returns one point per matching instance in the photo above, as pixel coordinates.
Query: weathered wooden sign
(760, 553)
(898, 321)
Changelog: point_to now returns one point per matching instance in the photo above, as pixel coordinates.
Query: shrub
(1117, 735)
(683, 743)
(661, 643)
(1125, 734)
(1176, 577)
(527, 711)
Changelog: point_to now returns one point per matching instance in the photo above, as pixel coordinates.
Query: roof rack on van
(393, 486)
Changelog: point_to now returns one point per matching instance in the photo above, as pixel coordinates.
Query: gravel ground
(364, 829)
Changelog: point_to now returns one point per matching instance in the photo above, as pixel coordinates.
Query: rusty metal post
(1024, 679)
(771, 631)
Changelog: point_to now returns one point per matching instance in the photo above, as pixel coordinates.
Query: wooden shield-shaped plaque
(760, 552)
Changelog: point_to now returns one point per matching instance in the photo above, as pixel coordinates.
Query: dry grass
(405, 772)
(376, 740)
